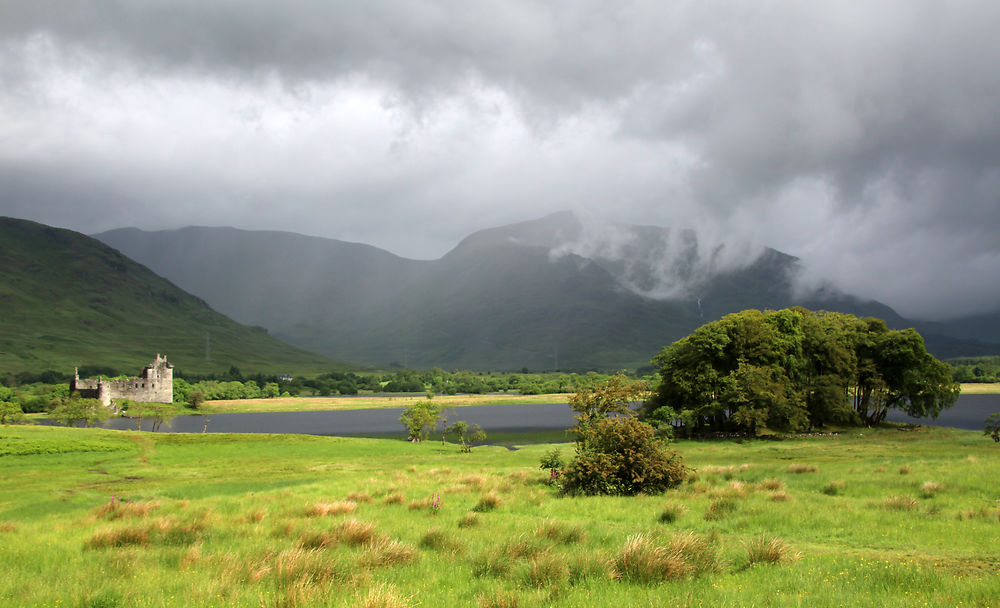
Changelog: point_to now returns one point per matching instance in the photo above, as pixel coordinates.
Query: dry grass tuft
(255, 517)
(589, 566)
(905, 470)
(499, 560)
(561, 533)
(8, 527)
(340, 507)
(727, 471)
(354, 533)
(900, 503)
(118, 509)
(802, 468)
(359, 497)
(394, 499)
(546, 569)
(385, 551)
(772, 484)
(487, 502)
(780, 496)
(191, 557)
(767, 550)
(643, 561)
(929, 489)
(121, 537)
(383, 595)
(469, 520)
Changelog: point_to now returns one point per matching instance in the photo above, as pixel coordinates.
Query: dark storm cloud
(862, 137)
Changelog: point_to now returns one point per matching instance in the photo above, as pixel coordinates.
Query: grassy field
(364, 402)
(865, 518)
(981, 388)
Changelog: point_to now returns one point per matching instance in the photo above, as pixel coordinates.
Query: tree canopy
(794, 369)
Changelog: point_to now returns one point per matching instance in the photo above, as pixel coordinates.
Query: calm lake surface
(968, 413)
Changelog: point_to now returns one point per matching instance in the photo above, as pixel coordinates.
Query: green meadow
(886, 517)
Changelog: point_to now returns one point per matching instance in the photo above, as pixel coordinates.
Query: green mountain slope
(67, 299)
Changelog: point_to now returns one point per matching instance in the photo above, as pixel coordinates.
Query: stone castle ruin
(154, 385)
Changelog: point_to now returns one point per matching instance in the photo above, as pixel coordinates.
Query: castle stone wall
(154, 385)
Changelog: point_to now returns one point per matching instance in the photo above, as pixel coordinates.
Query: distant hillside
(543, 294)
(67, 299)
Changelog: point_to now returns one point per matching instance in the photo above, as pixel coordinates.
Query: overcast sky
(863, 137)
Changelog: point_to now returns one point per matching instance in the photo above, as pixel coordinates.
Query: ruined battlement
(154, 385)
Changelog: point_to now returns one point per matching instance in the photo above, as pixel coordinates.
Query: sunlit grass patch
(546, 569)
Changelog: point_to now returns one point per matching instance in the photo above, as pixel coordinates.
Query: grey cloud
(853, 135)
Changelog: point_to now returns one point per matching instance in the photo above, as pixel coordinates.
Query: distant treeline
(39, 392)
(975, 369)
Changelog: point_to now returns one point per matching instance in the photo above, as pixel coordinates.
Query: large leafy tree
(793, 369)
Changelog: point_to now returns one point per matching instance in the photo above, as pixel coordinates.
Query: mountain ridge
(546, 293)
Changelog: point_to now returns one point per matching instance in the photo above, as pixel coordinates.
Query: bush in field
(621, 456)
(419, 419)
(993, 427)
(75, 411)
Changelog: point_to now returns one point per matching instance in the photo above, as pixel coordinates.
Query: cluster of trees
(975, 369)
(792, 370)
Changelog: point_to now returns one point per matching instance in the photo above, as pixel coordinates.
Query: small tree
(75, 411)
(196, 399)
(615, 397)
(419, 419)
(467, 435)
(158, 412)
(993, 426)
(552, 462)
(11, 413)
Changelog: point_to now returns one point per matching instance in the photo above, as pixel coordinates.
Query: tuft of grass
(394, 499)
(929, 489)
(8, 527)
(834, 487)
(487, 502)
(340, 507)
(502, 599)
(469, 520)
(900, 503)
(720, 508)
(802, 468)
(423, 503)
(355, 533)
(588, 566)
(120, 537)
(672, 512)
(643, 561)
(766, 550)
(440, 540)
(383, 595)
(118, 509)
(499, 560)
(905, 470)
(546, 569)
(561, 533)
(359, 497)
(772, 484)
(384, 551)
(780, 496)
